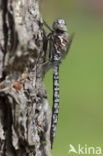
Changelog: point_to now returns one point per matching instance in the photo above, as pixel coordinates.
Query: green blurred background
(81, 74)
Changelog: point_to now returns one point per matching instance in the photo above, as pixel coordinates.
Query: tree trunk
(24, 111)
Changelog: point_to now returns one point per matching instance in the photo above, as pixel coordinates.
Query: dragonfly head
(59, 25)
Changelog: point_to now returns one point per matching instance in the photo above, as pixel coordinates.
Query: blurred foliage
(81, 75)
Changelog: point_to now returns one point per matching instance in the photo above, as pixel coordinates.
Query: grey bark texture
(24, 110)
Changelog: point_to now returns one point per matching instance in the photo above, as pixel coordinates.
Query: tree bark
(24, 110)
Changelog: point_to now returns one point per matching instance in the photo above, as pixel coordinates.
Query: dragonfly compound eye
(59, 25)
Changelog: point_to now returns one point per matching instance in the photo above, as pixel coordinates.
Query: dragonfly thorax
(60, 45)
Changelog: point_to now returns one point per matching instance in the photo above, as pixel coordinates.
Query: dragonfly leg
(47, 26)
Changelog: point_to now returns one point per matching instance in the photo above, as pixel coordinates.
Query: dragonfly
(59, 45)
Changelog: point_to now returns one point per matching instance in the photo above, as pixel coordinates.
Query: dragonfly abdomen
(55, 108)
